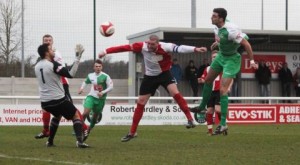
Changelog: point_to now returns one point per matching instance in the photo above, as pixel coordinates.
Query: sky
(71, 21)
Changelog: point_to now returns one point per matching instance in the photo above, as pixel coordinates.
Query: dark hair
(42, 50)
(46, 36)
(98, 61)
(221, 12)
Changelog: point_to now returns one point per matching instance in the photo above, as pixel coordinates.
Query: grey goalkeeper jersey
(48, 74)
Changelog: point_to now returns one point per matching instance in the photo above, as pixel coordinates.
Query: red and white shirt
(155, 62)
(217, 81)
(58, 58)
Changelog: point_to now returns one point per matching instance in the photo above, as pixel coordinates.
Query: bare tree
(10, 38)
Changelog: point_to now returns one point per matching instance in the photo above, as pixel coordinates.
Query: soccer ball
(107, 29)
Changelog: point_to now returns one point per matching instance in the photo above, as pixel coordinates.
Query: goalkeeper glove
(78, 50)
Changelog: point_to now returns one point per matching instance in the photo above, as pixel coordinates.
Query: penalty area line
(41, 160)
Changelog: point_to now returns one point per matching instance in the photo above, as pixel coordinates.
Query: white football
(107, 29)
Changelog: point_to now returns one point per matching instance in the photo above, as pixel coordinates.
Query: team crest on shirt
(98, 88)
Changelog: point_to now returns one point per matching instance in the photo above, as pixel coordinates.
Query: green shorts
(229, 65)
(94, 104)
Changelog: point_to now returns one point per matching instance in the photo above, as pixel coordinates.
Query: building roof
(204, 36)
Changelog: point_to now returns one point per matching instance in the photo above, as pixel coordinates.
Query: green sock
(207, 89)
(224, 109)
(92, 123)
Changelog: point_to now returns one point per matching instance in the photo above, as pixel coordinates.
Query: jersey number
(42, 74)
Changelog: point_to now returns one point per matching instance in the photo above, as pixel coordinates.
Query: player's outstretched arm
(78, 54)
(63, 71)
(214, 45)
(135, 47)
(80, 91)
(186, 49)
(201, 49)
(249, 51)
(115, 49)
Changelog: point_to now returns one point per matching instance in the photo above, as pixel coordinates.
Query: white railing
(248, 99)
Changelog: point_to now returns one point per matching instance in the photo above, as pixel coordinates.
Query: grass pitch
(155, 145)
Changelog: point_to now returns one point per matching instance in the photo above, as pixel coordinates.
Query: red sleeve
(64, 80)
(135, 47)
(204, 73)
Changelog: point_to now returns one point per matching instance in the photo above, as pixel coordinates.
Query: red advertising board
(275, 62)
(257, 113)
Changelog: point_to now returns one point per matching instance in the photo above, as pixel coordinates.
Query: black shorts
(151, 83)
(62, 107)
(214, 99)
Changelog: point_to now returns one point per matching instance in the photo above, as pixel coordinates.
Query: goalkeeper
(52, 95)
(48, 39)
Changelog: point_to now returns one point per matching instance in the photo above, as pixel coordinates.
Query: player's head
(45, 51)
(98, 66)
(219, 16)
(152, 43)
(48, 39)
(213, 54)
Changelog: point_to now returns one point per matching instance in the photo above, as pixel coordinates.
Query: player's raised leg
(207, 88)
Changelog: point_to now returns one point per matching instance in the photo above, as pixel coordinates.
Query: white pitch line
(42, 160)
